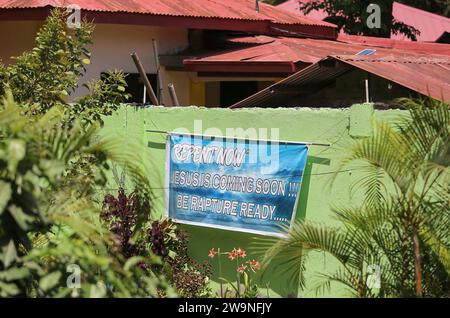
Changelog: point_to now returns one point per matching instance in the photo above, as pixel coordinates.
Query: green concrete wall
(336, 126)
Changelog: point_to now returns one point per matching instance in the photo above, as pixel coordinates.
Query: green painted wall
(336, 126)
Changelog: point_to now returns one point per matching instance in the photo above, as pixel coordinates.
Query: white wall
(113, 44)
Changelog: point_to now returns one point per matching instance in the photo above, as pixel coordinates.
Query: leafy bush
(34, 158)
(135, 235)
(52, 243)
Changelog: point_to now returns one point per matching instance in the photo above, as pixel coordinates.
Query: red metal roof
(293, 54)
(218, 9)
(428, 75)
(430, 25)
(417, 47)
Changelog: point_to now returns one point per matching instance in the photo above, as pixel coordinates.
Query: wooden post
(173, 95)
(158, 72)
(144, 78)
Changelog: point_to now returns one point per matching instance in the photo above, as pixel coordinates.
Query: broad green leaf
(14, 274)
(9, 254)
(8, 290)
(49, 281)
(172, 254)
(86, 61)
(21, 218)
(16, 150)
(5, 195)
(132, 262)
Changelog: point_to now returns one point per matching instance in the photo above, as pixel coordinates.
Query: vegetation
(43, 78)
(63, 235)
(245, 287)
(401, 228)
(127, 217)
(55, 240)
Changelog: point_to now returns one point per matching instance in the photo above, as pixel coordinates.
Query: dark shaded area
(232, 92)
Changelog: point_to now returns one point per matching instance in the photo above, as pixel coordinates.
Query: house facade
(176, 25)
(218, 53)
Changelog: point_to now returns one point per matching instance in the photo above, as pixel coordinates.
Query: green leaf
(8, 290)
(132, 262)
(172, 254)
(49, 281)
(20, 217)
(16, 150)
(121, 88)
(86, 61)
(14, 274)
(9, 254)
(5, 195)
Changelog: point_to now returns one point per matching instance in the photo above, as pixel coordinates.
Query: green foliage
(402, 225)
(189, 277)
(351, 16)
(36, 153)
(45, 76)
(245, 286)
(52, 165)
(105, 95)
(50, 71)
(127, 217)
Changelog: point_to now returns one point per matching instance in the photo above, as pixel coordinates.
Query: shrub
(135, 235)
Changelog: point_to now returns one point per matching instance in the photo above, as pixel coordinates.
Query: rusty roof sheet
(296, 50)
(427, 75)
(223, 9)
(430, 25)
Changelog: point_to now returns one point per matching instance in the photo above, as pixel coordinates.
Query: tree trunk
(417, 264)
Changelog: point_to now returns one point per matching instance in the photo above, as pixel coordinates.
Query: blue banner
(235, 184)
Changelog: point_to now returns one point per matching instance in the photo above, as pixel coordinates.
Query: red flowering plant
(245, 287)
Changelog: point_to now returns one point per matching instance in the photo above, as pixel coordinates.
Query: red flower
(212, 253)
(255, 265)
(232, 255)
(241, 269)
(241, 253)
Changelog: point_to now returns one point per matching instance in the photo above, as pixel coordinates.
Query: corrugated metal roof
(308, 51)
(277, 49)
(274, 95)
(294, 6)
(430, 25)
(427, 75)
(229, 9)
(417, 47)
